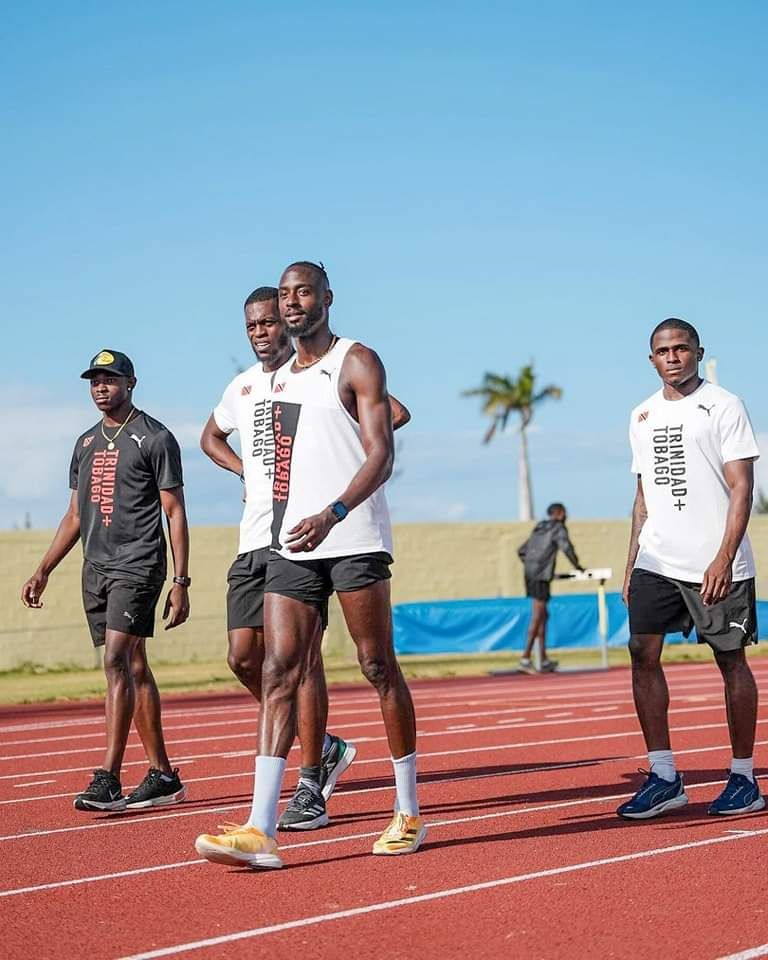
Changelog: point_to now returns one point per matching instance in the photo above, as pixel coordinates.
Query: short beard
(308, 323)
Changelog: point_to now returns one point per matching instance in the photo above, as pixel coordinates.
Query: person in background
(538, 554)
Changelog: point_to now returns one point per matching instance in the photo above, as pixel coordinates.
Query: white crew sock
(267, 781)
(405, 785)
(743, 766)
(662, 763)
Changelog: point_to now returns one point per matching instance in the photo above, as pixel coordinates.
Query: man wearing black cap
(125, 473)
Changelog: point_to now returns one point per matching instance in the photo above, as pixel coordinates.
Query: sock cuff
(406, 759)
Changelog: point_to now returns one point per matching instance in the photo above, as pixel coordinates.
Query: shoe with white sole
(102, 793)
(336, 759)
(741, 795)
(157, 789)
(404, 835)
(238, 846)
(656, 796)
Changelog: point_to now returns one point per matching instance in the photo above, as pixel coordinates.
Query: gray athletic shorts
(659, 604)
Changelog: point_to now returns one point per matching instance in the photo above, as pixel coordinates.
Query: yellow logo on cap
(103, 358)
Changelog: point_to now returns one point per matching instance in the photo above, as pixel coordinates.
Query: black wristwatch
(339, 511)
(183, 581)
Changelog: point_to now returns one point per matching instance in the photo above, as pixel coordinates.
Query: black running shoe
(334, 762)
(155, 790)
(305, 811)
(102, 793)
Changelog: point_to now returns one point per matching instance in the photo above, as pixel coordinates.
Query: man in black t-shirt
(125, 473)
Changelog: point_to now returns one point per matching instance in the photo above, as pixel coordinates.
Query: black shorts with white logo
(114, 604)
(245, 596)
(659, 605)
(537, 589)
(313, 581)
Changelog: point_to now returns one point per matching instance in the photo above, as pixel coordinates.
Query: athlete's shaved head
(319, 269)
(673, 323)
(261, 295)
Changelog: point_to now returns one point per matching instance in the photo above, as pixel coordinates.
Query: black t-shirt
(118, 492)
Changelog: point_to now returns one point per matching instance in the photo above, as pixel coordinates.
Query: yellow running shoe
(238, 845)
(403, 835)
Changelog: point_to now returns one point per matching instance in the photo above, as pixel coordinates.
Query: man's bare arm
(214, 442)
(740, 477)
(639, 516)
(64, 539)
(400, 413)
(176, 608)
(365, 381)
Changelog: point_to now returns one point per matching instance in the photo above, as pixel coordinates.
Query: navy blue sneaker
(656, 796)
(741, 795)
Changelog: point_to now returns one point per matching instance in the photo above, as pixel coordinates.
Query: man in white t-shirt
(246, 407)
(690, 561)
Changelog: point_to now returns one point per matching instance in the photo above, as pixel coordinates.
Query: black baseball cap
(109, 361)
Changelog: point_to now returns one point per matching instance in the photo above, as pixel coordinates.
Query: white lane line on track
(427, 897)
(35, 783)
(473, 728)
(347, 728)
(385, 761)
(552, 716)
(564, 687)
(751, 954)
(133, 820)
(329, 841)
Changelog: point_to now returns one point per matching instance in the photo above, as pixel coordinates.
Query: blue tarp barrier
(482, 626)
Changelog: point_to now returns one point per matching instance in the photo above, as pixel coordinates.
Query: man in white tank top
(246, 407)
(331, 532)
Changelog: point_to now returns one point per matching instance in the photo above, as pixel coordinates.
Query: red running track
(520, 777)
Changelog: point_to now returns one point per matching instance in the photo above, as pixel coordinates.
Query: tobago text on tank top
(317, 452)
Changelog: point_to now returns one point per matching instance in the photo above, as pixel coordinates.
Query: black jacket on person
(540, 549)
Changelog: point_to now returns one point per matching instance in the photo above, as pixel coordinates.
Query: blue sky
(487, 184)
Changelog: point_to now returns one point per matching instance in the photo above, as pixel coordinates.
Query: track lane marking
(751, 954)
(436, 895)
(567, 686)
(432, 825)
(702, 708)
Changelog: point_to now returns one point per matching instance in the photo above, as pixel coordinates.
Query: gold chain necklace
(111, 440)
(303, 366)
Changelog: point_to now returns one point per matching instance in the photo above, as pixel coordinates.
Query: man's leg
(740, 700)
(161, 786)
(663, 789)
(535, 626)
(120, 697)
(146, 713)
(246, 657)
(368, 615)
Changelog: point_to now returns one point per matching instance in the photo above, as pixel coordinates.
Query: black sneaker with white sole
(157, 789)
(102, 793)
(334, 762)
(305, 810)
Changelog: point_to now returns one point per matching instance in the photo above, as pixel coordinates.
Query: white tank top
(317, 452)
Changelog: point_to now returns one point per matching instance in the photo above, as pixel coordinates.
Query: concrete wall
(434, 561)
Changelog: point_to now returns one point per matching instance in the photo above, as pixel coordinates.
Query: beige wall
(434, 561)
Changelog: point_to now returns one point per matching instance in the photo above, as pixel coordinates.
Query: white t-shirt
(679, 448)
(246, 407)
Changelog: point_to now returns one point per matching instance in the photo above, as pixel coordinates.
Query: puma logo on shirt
(741, 626)
(707, 410)
(139, 440)
(327, 373)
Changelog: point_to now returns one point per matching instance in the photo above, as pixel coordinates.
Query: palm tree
(503, 396)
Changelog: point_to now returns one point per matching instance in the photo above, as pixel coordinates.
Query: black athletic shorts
(537, 589)
(659, 604)
(245, 596)
(313, 581)
(114, 604)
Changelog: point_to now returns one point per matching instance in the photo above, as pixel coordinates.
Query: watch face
(339, 510)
